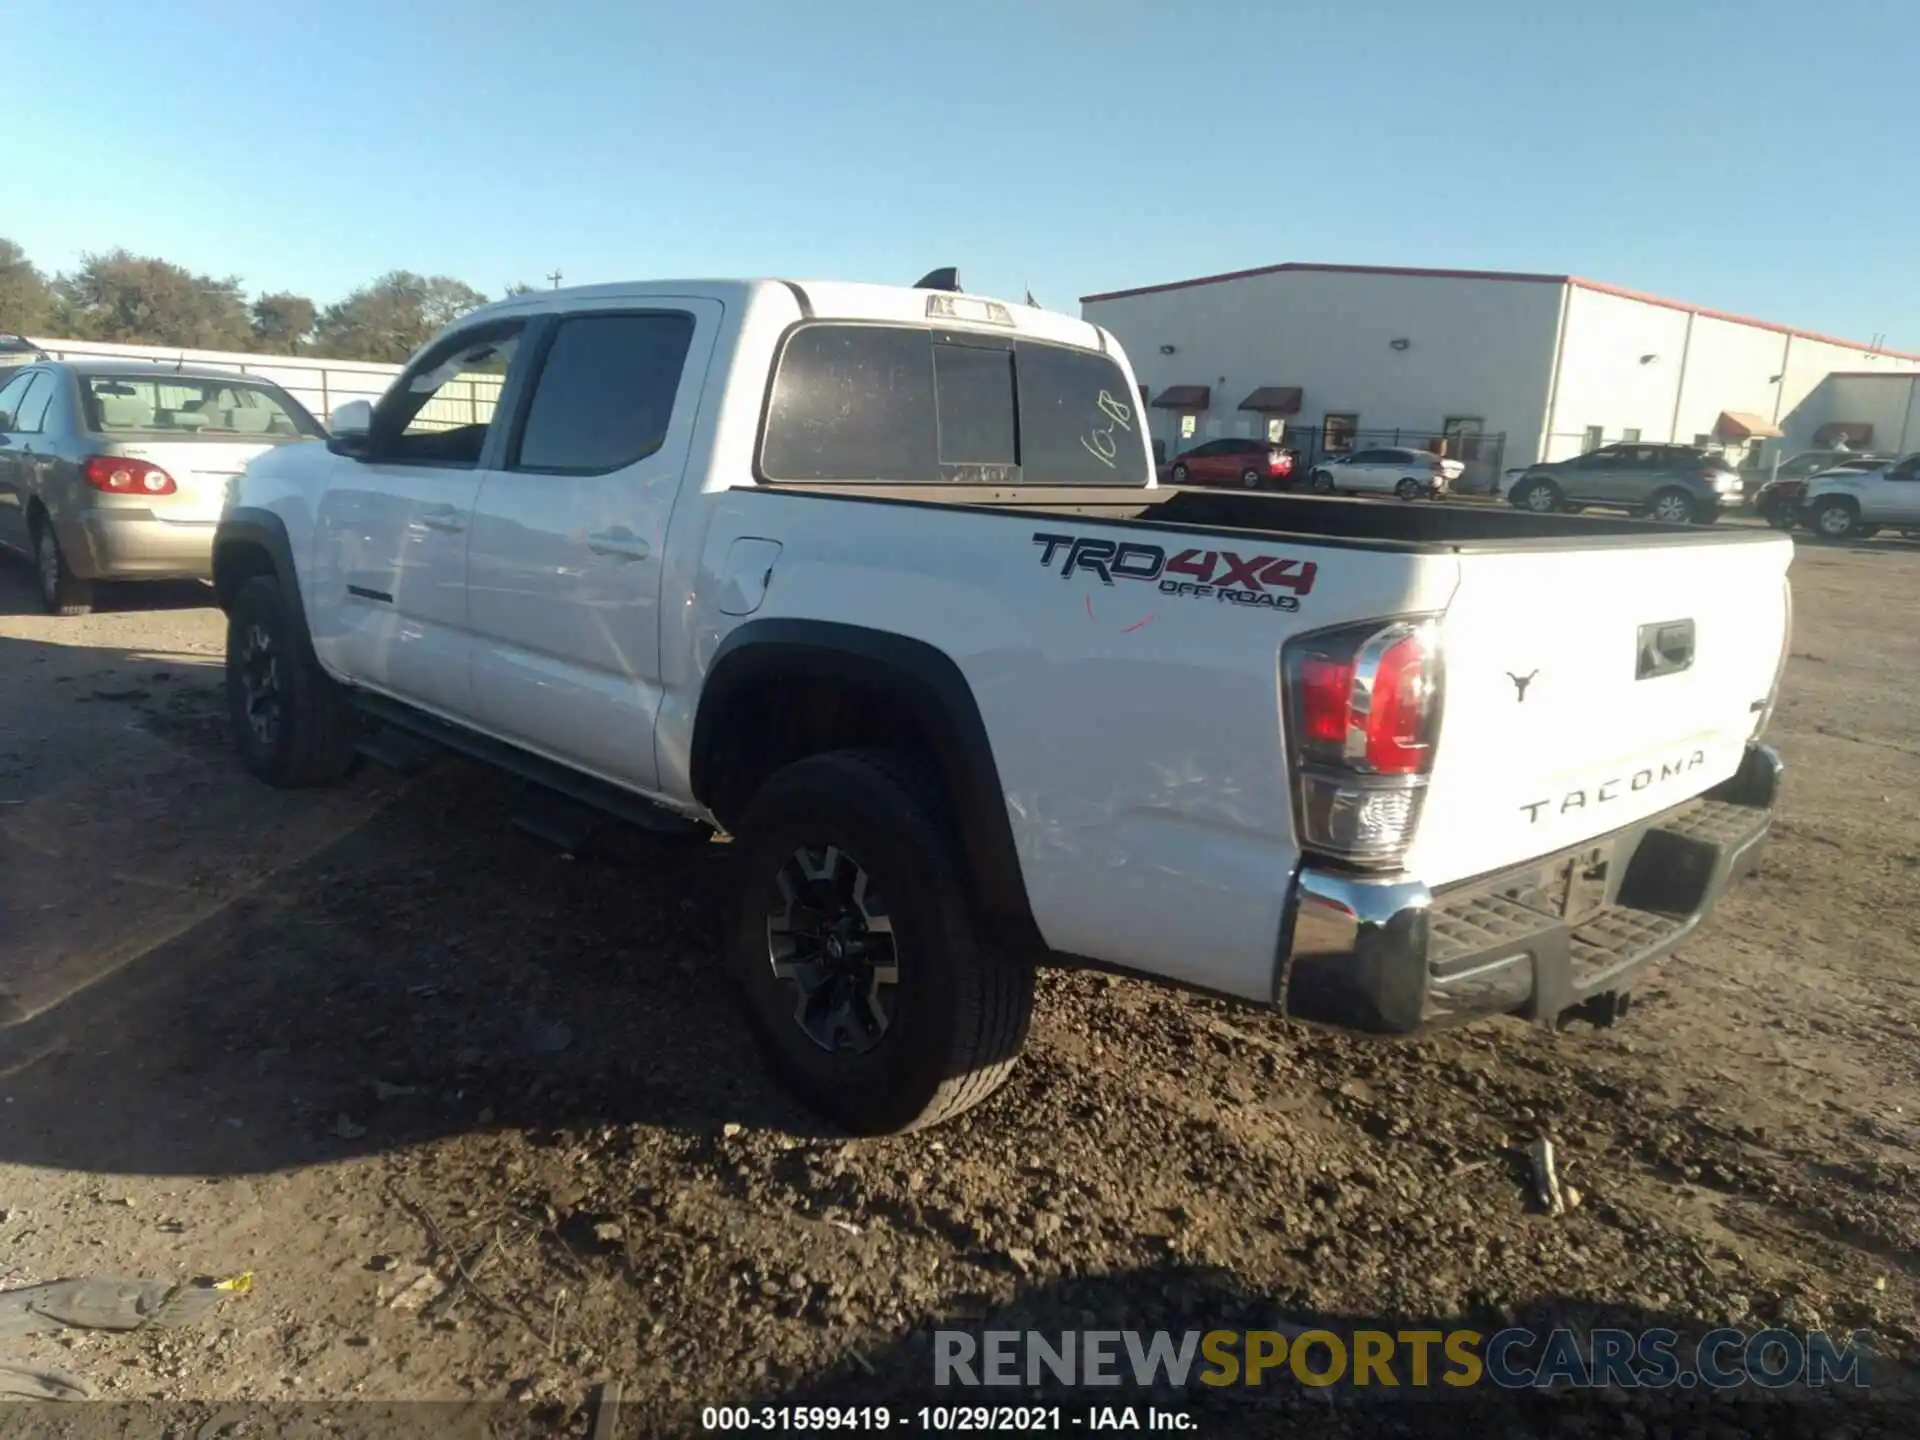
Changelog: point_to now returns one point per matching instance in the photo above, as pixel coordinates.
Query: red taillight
(1364, 706)
(1326, 692)
(1367, 698)
(117, 475)
(1396, 723)
(1279, 463)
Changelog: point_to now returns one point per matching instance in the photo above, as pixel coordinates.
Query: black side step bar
(416, 725)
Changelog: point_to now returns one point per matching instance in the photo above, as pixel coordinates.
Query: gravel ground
(361, 1042)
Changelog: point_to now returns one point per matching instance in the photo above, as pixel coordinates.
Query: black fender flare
(250, 526)
(930, 686)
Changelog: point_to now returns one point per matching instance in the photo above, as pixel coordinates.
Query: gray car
(119, 471)
(1677, 484)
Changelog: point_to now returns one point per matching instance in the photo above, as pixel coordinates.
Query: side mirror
(6, 421)
(351, 416)
(351, 425)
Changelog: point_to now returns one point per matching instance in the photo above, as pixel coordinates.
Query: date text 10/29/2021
(947, 1419)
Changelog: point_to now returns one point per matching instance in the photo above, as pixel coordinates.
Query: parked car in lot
(1779, 498)
(118, 471)
(1675, 484)
(1857, 503)
(934, 660)
(1250, 464)
(1387, 470)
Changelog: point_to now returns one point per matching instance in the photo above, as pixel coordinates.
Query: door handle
(619, 543)
(443, 517)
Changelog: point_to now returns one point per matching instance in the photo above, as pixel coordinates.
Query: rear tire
(1779, 518)
(1541, 497)
(291, 721)
(1408, 489)
(62, 592)
(1180, 474)
(1250, 478)
(1672, 507)
(1835, 519)
(869, 837)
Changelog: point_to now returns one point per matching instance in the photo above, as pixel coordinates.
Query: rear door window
(30, 410)
(914, 406)
(605, 394)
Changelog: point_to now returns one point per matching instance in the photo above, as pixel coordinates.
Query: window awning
(1854, 432)
(1274, 400)
(1183, 397)
(1745, 425)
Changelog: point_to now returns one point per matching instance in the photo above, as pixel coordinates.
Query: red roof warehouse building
(1499, 367)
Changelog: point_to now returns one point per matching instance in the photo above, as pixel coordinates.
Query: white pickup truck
(877, 581)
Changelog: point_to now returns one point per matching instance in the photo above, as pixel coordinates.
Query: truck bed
(1322, 519)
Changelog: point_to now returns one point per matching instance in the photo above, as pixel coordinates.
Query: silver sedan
(119, 471)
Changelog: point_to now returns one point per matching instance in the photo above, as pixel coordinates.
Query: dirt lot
(347, 1040)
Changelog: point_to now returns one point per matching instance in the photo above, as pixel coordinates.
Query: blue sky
(1762, 157)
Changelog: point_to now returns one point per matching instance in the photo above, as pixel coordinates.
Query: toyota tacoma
(878, 582)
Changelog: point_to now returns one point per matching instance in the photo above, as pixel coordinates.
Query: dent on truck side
(931, 689)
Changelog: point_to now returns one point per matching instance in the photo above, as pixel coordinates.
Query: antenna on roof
(180, 364)
(947, 278)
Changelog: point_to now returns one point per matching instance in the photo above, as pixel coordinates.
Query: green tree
(141, 300)
(26, 300)
(519, 287)
(393, 317)
(282, 322)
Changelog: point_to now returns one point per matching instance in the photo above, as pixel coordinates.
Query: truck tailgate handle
(1666, 648)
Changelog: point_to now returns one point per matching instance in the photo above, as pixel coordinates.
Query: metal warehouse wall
(1476, 347)
(1889, 403)
(1701, 364)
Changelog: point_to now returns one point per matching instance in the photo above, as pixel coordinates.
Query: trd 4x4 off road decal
(1272, 581)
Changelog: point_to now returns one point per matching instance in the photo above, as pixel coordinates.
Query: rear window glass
(905, 405)
(183, 408)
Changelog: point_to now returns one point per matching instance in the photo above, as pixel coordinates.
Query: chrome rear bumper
(1387, 955)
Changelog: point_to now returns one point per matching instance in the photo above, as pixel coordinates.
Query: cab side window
(443, 407)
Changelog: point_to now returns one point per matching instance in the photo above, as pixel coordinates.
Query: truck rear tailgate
(1589, 688)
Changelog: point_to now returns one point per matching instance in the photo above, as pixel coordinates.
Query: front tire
(62, 592)
(852, 947)
(291, 721)
(1323, 482)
